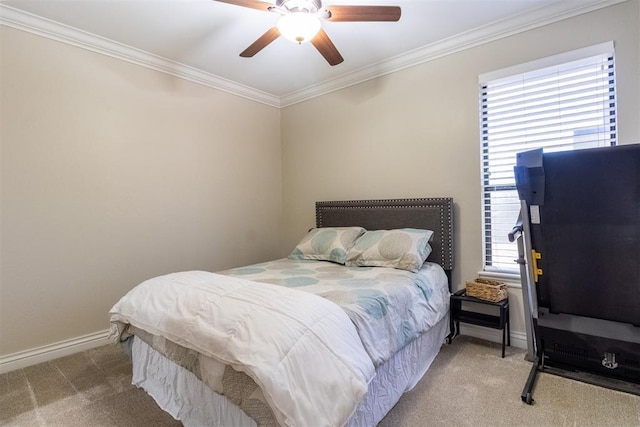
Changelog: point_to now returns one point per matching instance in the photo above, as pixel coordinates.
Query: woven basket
(488, 290)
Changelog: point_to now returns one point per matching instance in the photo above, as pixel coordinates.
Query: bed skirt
(181, 394)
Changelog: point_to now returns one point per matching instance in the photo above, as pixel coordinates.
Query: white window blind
(565, 106)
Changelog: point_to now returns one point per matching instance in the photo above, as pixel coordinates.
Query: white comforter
(311, 364)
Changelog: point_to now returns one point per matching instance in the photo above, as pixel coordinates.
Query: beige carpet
(469, 385)
(92, 388)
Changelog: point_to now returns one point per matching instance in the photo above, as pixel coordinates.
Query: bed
(303, 340)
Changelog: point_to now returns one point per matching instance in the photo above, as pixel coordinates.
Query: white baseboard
(33, 356)
(518, 339)
(45, 353)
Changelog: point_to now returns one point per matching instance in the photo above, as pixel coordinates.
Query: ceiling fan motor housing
(306, 6)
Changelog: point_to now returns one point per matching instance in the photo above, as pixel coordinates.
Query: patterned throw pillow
(327, 244)
(404, 249)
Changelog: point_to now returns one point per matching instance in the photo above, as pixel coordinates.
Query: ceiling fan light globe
(299, 27)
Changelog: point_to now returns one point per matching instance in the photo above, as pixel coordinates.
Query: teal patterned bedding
(389, 307)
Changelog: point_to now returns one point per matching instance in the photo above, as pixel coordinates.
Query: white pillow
(404, 249)
(327, 244)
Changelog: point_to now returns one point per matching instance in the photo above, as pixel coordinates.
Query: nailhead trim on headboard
(444, 226)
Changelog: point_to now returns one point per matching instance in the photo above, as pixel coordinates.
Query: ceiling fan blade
(253, 4)
(325, 46)
(363, 13)
(262, 42)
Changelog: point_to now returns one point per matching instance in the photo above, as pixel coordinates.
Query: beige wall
(112, 173)
(414, 133)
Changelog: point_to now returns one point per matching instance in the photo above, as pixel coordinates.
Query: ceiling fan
(300, 22)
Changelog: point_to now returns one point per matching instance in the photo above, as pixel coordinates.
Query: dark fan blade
(325, 46)
(253, 4)
(363, 13)
(261, 43)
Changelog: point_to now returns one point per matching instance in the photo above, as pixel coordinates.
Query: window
(564, 102)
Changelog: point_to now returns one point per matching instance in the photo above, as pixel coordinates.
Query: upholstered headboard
(434, 214)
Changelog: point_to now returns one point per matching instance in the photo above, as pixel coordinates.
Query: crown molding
(54, 30)
(497, 30)
(516, 24)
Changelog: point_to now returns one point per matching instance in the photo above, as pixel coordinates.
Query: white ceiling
(202, 39)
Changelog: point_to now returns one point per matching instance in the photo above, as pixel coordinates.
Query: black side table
(458, 315)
